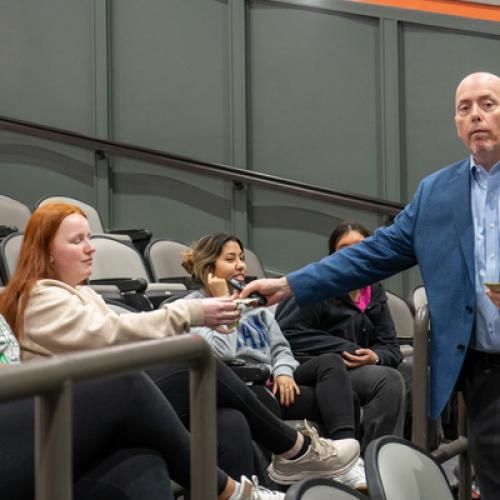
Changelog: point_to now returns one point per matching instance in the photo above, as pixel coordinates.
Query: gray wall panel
(30, 170)
(47, 76)
(170, 91)
(47, 62)
(313, 117)
(169, 76)
(173, 204)
(313, 96)
(289, 233)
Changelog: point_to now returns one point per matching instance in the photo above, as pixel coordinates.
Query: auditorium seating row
(121, 270)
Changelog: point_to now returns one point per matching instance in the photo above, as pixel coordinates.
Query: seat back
(419, 297)
(402, 316)
(116, 260)
(13, 213)
(9, 254)
(318, 488)
(397, 469)
(91, 213)
(254, 266)
(164, 258)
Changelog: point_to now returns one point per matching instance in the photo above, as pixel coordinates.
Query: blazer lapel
(462, 214)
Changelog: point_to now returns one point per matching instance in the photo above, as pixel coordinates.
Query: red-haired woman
(52, 313)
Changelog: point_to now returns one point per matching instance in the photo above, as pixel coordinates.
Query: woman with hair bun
(317, 390)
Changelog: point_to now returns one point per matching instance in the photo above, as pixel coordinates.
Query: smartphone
(256, 298)
(493, 287)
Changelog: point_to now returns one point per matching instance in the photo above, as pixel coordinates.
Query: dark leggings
(266, 428)
(116, 413)
(325, 396)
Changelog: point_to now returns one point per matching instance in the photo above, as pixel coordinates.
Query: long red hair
(34, 260)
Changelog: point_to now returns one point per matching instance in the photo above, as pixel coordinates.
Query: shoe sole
(286, 480)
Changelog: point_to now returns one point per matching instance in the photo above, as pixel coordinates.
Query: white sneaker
(250, 490)
(325, 457)
(355, 477)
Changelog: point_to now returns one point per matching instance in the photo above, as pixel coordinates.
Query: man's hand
(217, 286)
(220, 311)
(275, 290)
(361, 357)
(494, 297)
(287, 388)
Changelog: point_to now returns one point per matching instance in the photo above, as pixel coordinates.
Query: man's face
(477, 117)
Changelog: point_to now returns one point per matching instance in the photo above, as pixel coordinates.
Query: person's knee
(394, 383)
(232, 422)
(330, 363)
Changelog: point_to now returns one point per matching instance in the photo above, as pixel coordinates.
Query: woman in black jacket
(358, 327)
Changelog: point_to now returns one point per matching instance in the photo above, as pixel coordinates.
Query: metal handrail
(420, 391)
(51, 381)
(420, 398)
(237, 175)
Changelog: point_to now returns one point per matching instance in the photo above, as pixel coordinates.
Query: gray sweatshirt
(257, 340)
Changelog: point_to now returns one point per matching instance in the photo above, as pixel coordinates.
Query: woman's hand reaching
(220, 311)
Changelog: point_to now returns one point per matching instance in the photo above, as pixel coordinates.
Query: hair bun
(187, 261)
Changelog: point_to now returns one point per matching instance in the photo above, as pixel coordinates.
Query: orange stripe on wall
(448, 7)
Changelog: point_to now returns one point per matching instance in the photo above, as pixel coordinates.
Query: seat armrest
(125, 285)
(254, 374)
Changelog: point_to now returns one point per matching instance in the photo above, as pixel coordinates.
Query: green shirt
(9, 348)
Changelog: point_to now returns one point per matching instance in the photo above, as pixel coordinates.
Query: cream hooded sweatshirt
(60, 318)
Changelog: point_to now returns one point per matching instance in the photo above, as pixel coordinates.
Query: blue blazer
(436, 232)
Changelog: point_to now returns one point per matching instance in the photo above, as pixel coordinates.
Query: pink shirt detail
(365, 297)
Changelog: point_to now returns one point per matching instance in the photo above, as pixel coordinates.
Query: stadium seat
(13, 213)
(319, 488)
(418, 298)
(403, 322)
(116, 263)
(254, 266)
(397, 469)
(164, 258)
(9, 253)
(92, 214)
(139, 237)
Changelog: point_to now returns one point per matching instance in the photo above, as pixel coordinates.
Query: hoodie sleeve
(282, 360)
(223, 345)
(57, 321)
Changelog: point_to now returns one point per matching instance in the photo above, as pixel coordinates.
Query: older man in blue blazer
(451, 229)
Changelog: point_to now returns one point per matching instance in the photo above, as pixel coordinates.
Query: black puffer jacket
(337, 325)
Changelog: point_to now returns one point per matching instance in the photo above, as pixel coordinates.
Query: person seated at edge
(124, 430)
(359, 327)
(318, 389)
(50, 313)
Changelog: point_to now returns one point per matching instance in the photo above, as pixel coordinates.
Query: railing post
(53, 445)
(420, 378)
(203, 429)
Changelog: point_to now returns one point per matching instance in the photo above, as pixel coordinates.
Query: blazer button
(469, 309)
(461, 347)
